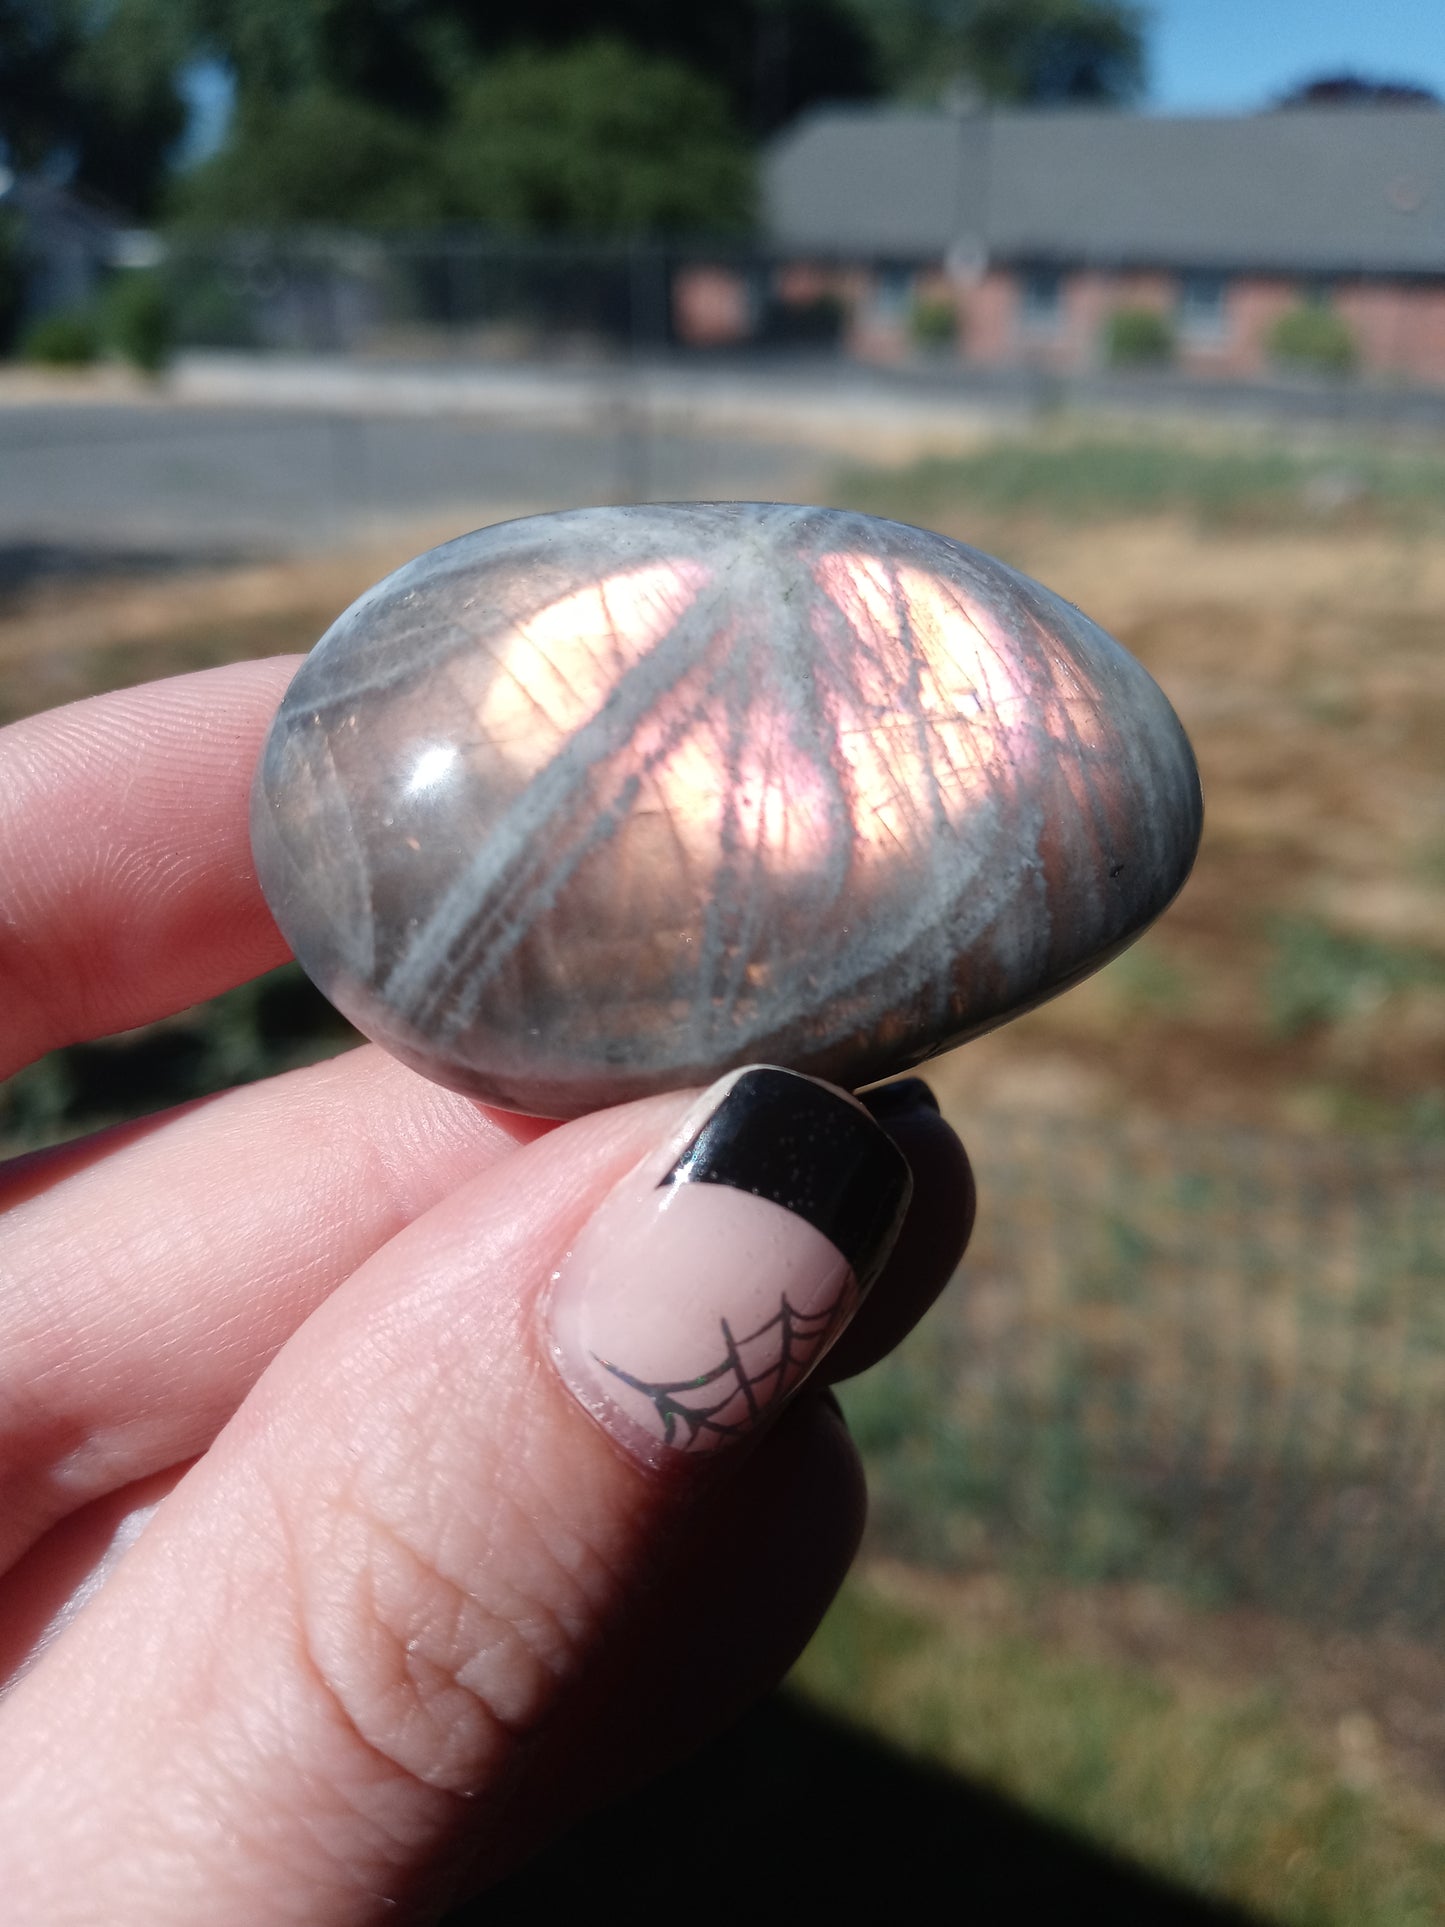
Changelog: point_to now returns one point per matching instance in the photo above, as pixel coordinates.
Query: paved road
(92, 486)
(264, 455)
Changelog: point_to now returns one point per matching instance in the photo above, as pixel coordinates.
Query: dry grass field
(1299, 982)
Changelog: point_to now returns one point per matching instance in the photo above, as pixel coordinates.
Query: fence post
(646, 298)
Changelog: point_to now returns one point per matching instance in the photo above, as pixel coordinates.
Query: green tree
(88, 88)
(594, 139)
(597, 139)
(398, 55)
(1039, 52)
(770, 57)
(313, 158)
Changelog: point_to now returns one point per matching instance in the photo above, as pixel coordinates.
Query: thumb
(442, 1513)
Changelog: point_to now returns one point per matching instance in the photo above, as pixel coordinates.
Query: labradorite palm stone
(607, 802)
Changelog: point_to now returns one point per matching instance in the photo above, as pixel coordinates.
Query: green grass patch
(1089, 478)
(1218, 1789)
(1022, 1474)
(1203, 1360)
(1323, 977)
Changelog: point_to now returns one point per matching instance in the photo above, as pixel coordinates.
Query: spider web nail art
(801, 1335)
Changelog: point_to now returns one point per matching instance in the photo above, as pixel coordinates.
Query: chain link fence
(465, 292)
(470, 296)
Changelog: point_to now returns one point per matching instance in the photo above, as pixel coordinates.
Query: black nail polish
(804, 1146)
(906, 1097)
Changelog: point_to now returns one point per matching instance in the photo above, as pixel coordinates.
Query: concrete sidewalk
(833, 407)
(807, 401)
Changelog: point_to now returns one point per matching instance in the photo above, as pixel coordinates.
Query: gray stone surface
(605, 802)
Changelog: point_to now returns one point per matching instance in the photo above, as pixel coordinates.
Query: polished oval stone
(606, 802)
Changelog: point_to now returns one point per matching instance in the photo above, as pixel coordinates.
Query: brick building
(1032, 227)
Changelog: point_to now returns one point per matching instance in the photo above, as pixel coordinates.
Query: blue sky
(1222, 56)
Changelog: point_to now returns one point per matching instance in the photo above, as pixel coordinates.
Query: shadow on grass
(794, 1813)
(275, 1023)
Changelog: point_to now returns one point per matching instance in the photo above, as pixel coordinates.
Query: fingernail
(715, 1276)
(905, 1097)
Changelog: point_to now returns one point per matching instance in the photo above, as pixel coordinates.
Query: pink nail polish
(715, 1276)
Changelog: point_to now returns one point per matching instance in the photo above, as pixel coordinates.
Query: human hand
(344, 1556)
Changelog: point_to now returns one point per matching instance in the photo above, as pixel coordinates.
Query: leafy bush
(133, 317)
(934, 322)
(139, 318)
(1138, 338)
(70, 338)
(1313, 339)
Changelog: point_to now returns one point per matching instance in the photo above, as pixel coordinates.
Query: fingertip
(945, 1196)
(935, 1232)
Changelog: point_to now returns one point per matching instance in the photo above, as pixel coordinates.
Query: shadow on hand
(794, 1812)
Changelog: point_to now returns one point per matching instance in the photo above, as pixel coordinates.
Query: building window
(1202, 307)
(1041, 300)
(893, 293)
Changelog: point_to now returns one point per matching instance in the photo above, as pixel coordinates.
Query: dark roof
(1312, 190)
(851, 178)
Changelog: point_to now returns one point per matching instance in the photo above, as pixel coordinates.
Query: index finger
(127, 889)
